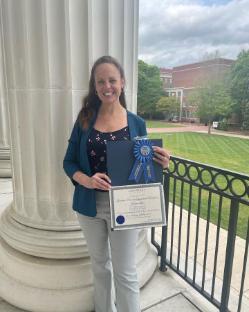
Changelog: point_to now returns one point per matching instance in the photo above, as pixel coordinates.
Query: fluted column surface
(51, 47)
(5, 166)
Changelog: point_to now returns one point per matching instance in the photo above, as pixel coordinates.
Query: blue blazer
(76, 159)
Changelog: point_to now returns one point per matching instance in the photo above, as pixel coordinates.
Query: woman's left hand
(161, 156)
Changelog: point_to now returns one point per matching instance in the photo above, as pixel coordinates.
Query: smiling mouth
(107, 94)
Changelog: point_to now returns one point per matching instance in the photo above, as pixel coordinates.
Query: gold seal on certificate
(137, 206)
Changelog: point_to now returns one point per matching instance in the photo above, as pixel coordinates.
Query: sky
(178, 32)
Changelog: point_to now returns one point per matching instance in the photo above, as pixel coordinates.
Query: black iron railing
(207, 233)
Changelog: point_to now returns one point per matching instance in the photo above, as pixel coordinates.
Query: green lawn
(160, 124)
(220, 151)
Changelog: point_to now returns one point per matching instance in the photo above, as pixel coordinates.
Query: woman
(104, 117)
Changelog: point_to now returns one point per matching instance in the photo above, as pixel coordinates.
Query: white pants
(111, 250)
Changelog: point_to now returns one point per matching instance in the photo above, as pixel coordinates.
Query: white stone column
(5, 166)
(49, 47)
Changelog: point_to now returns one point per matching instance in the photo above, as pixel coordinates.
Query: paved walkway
(196, 128)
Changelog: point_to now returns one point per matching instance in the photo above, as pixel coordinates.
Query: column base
(48, 244)
(45, 285)
(147, 259)
(48, 285)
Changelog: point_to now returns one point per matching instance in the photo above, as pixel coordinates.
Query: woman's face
(108, 83)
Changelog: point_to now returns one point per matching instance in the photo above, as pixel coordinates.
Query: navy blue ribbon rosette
(143, 153)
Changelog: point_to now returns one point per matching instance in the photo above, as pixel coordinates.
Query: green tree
(168, 105)
(239, 86)
(150, 88)
(213, 101)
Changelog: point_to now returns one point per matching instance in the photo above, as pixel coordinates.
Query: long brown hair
(91, 101)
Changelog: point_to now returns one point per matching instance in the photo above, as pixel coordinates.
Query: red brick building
(166, 77)
(180, 81)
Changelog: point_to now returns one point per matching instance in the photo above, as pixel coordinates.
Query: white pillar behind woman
(49, 47)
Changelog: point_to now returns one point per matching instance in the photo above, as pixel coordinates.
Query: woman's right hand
(99, 181)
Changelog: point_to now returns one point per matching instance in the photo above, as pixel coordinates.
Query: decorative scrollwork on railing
(211, 178)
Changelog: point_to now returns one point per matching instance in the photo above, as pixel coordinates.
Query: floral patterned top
(96, 147)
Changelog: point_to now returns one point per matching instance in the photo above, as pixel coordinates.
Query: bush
(245, 123)
(223, 125)
(154, 116)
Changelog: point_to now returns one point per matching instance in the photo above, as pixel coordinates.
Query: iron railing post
(154, 243)
(231, 236)
(164, 228)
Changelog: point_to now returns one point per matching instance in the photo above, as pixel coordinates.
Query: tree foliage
(150, 88)
(239, 87)
(168, 105)
(212, 101)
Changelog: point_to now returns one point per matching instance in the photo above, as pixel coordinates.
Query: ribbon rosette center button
(145, 150)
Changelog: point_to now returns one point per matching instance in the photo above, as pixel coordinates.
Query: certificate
(137, 206)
